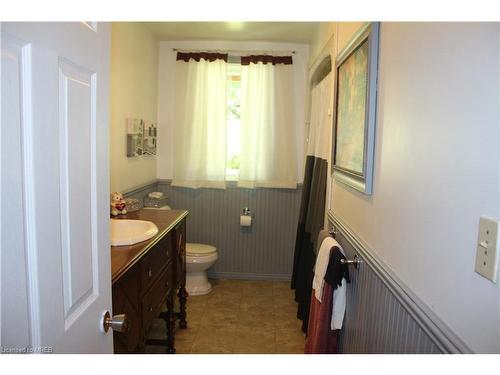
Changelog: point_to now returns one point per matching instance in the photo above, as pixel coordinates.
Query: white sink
(129, 232)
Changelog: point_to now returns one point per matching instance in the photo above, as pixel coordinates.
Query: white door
(56, 276)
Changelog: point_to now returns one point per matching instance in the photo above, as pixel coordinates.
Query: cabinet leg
(170, 321)
(182, 294)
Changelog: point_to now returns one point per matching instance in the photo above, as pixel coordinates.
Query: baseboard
(438, 332)
(248, 276)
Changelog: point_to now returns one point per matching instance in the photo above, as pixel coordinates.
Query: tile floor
(238, 317)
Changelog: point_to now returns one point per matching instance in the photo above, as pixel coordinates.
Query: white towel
(156, 195)
(338, 310)
(321, 265)
(340, 293)
(339, 302)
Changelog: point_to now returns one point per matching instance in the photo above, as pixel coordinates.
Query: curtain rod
(230, 50)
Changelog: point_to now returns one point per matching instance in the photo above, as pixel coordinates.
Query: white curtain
(320, 121)
(268, 142)
(200, 124)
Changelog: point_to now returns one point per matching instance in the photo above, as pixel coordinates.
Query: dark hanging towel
(311, 219)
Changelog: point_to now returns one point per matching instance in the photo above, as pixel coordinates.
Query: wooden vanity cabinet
(180, 246)
(148, 281)
(180, 272)
(126, 301)
(141, 292)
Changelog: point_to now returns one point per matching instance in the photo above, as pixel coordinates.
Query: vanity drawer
(155, 261)
(152, 301)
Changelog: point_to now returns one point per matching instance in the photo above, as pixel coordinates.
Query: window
(233, 125)
(221, 99)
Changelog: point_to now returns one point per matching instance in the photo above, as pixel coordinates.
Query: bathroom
(413, 231)
(260, 254)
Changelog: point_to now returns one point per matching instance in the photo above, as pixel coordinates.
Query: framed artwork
(134, 137)
(149, 138)
(355, 110)
(141, 137)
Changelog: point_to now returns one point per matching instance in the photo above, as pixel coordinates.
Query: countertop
(124, 257)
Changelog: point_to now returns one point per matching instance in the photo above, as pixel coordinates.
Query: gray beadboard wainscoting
(141, 192)
(382, 314)
(262, 251)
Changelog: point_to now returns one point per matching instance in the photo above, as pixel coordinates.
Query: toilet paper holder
(247, 211)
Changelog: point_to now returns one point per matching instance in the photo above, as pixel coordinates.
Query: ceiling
(285, 32)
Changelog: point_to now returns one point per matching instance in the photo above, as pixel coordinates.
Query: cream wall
(134, 93)
(166, 97)
(324, 33)
(436, 168)
(329, 39)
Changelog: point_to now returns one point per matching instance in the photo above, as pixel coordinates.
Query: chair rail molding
(439, 333)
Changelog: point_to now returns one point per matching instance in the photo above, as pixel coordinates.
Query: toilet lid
(199, 249)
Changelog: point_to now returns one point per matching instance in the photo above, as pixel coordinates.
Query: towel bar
(355, 261)
(332, 231)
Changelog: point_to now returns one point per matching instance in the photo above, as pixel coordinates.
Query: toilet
(199, 258)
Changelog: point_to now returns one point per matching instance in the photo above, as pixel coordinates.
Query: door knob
(118, 323)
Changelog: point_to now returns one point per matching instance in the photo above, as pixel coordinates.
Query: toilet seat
(199, 250)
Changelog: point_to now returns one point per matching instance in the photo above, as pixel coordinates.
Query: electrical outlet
(487, 249)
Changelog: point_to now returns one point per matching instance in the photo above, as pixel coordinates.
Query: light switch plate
(487, 248)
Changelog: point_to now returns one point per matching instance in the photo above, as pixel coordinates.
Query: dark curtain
(311, 219)
(197, 56)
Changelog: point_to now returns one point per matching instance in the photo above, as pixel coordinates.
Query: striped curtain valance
(197, 56)
(266, 59)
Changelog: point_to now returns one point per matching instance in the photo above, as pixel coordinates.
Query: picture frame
(149, 138)
(355, 103)
(135, 133)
